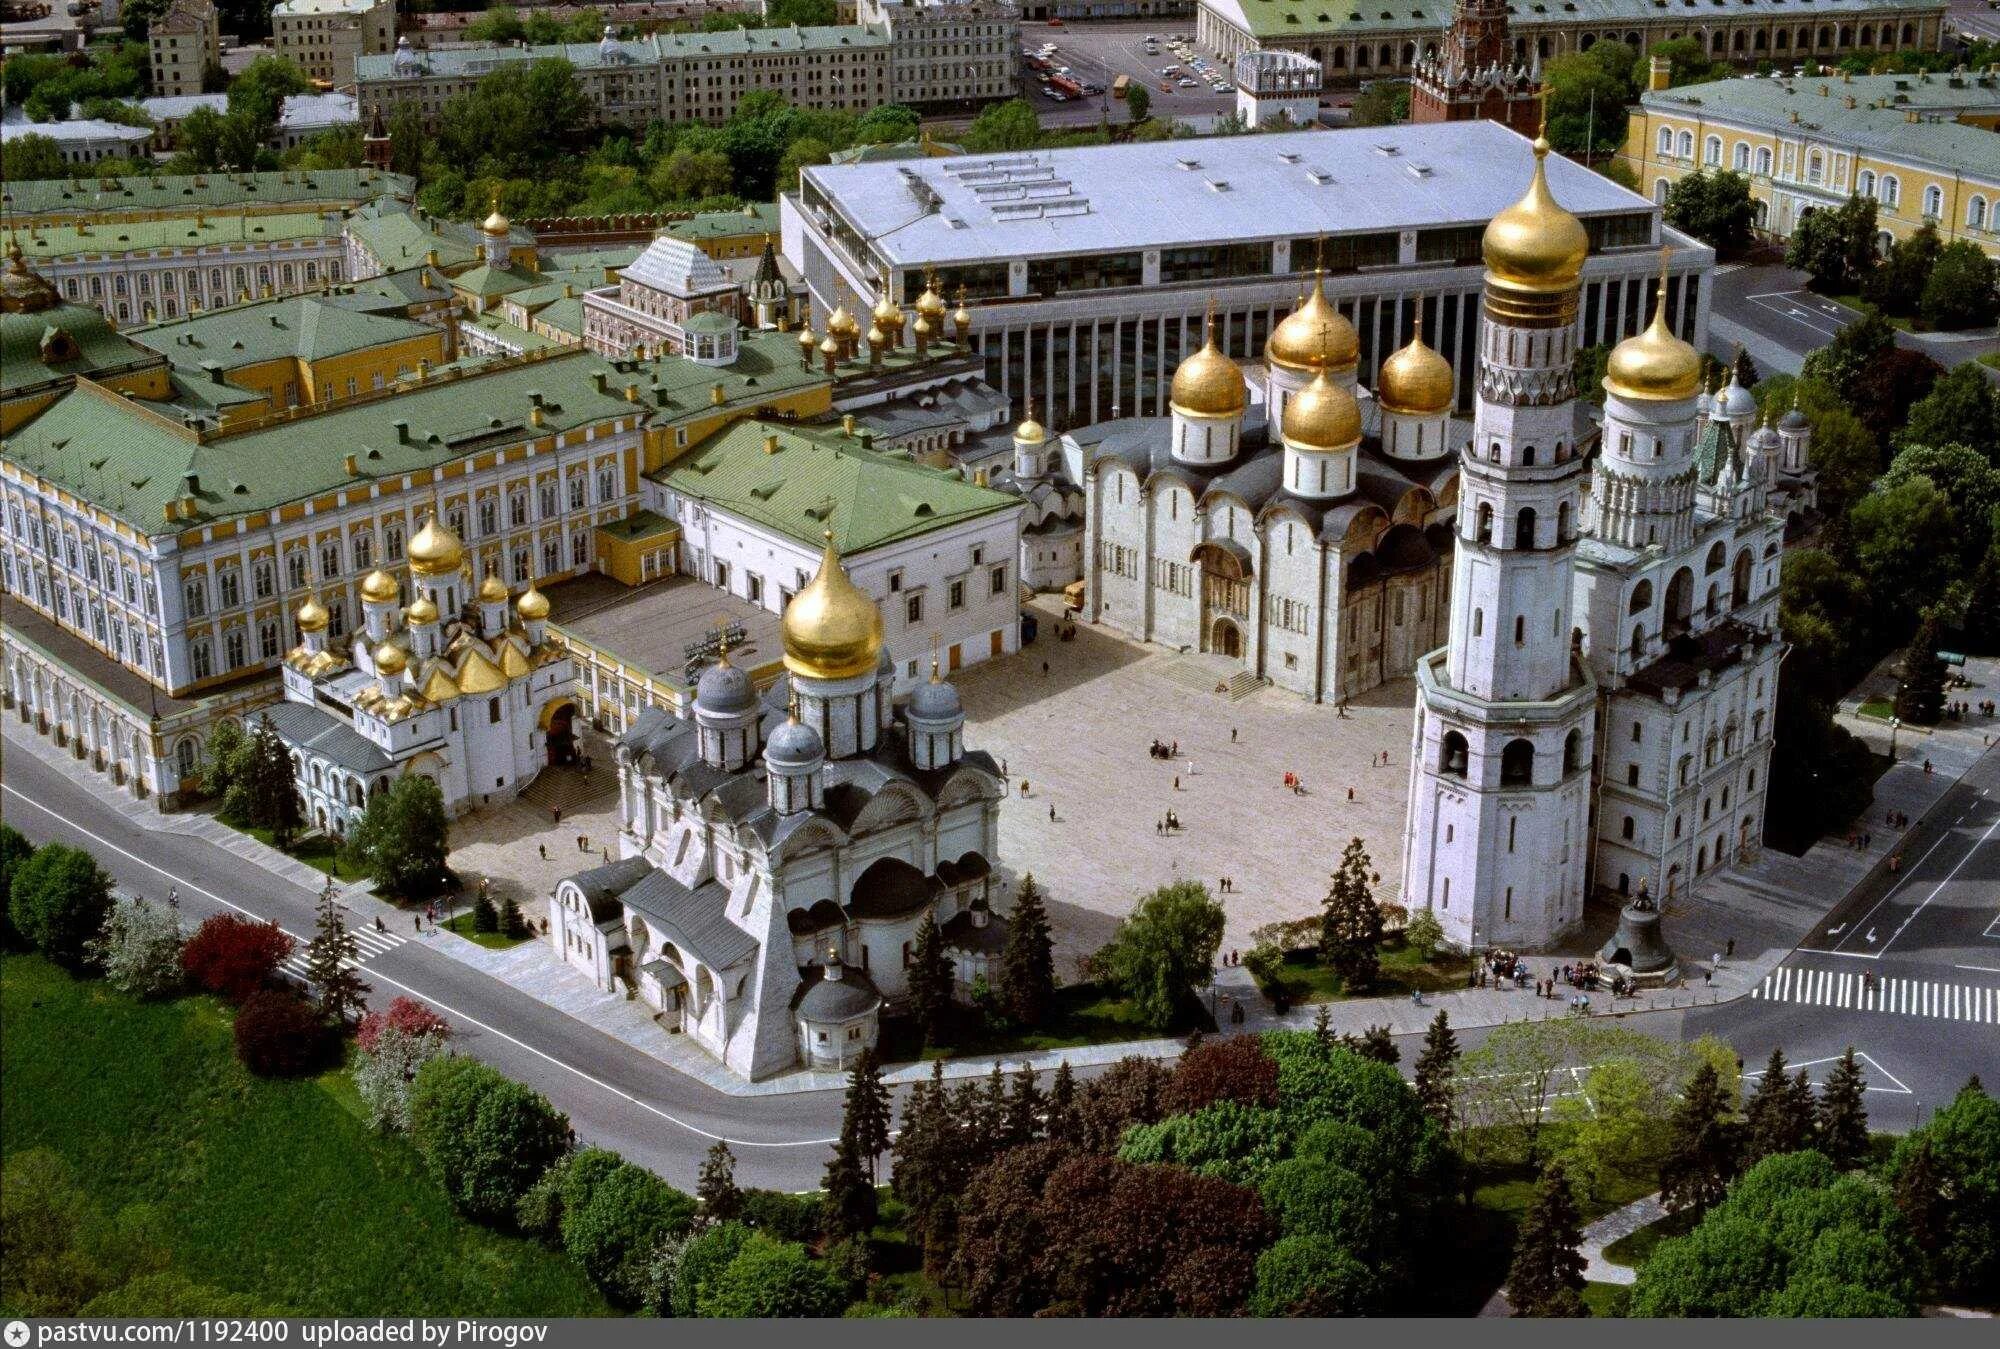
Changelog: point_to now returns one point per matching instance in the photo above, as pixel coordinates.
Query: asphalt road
(1772, 302)
(1099, 53)
(615, 1096)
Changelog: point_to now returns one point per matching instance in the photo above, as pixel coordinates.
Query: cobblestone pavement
(1079, 736)
(504, 843)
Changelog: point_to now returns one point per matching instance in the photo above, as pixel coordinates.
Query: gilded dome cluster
(1535, 245)
(1322, 416)
(436, 551)
(832, 629)
(1315, 336)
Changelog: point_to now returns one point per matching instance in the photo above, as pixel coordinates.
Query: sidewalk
(1612, 1226)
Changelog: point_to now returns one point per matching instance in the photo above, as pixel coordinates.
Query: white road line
(1859, 925)
(468, 1019)
(1969, 854)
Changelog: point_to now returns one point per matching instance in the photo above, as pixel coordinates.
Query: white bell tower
(1498, 826)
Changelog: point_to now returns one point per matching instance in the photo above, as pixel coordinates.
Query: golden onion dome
(1208, 384)
(1416, 380)
(1315, 336)
(533, 606)
(496, 224)
(390, 660)
(493, 590)
(379, 587)
(423, 611)
(1655, 366)
(877, 339)
(1536, 245)
(1322, 416)
(961, 317)
(831, 629)
(436, 551)
(313, 616)
(930, 304)
(923, 327)
(807, 341)
(886, 314)
(831, 346)
(1030, 432)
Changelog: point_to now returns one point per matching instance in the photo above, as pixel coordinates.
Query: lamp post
(1895, 725)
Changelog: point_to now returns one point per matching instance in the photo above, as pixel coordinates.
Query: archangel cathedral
(1599, 719)
(779, 851)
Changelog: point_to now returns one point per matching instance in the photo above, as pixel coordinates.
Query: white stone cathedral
(1600, 721)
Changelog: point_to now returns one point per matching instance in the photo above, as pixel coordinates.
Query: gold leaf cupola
(1654, 366)
(436, 550)
(832, 629)
(1416, 380)
(1534, 253)
(1208, 383)
(1314, 336)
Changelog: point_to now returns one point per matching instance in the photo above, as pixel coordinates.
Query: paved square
(1079, 736)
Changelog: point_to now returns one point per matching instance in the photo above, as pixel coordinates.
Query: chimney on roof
(351, 466)
(402, 431)
(599, 378)
(718, 395)
(847, 424)
(771, 443)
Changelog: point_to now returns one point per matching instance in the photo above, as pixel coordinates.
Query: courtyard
(1078, 738)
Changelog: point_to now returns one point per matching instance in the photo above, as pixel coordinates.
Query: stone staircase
(569, 789)
(1241, 685)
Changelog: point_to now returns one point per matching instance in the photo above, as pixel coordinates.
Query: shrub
(618, 1221)
(14, 850)
(1224, 1141)
(279, 1034)
(792, 1217)
(485, 1138)
(139, 950)
(405, 1015)
(58, 900)
(1311, 1276)
(706, 1255)
(770, 1278)
(1221, 1068)
(233, 957)
(387, 1068)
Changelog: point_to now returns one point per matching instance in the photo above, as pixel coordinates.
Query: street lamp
(1895, 725)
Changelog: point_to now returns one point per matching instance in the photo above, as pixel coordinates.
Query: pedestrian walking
(1177, 782)
(1024, 788)
(1350, 793)
(555, 813)
(1052, 814)
(1729, 948)
(543, 849)
(1232, 735)
(1045, 669)
(417, 922)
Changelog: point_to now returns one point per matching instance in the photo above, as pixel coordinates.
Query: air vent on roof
(1418, 170)
(1319, 176)
(1288, 156)
(1218, 185)
(1189, 164)
(1386, 149)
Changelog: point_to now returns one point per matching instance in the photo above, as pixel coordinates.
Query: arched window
(1524, 528)
(1764, 160)
(1642, 598)
(1685, 145)
(1714, 605)
(1562, 524)
(1484, 531)
(1865, 184)
(1711, 152)
(1892, 191)
(1933, 201)
(1975, 213)
(1573, 752)
(1666, 141)
(1638, 643)
(1680, 602)
(1517, 764)
(1452, 755)
(1740, 587)
(1716, 557)
(1815, 167)
(1741, 159)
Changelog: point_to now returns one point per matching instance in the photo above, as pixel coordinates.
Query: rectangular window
(998, 579)
(955, 595)
(913, 609)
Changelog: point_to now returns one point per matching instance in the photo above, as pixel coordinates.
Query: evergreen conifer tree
(847, 1204)
(930, 982)
(993, 1106)
(1437, 1065)
(1702, 1146)
(270, 785)
(1024, 1109)
(715, 1189)
(1921, 698)
(332, 958)
(1546, 1278)
(1323, 1025)
(485, 918)
(1061, 1110)
(922, 1171)
(1920, 1199)
(867, 1109)
(1843, 1114)
(1028, 965)
(1351, 926)
(512, 921)
(1778, 1118)
(1375, 1043)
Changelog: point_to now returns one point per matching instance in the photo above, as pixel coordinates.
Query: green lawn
(1899, 322)
(1402, 972)
(1879, 708)
(1991, 358)
(1084, 1015)
(1606, 1299)
(317, 851)
(492, 941)
(274, 1189)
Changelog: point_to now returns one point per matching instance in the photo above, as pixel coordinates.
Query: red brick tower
(1475, 75)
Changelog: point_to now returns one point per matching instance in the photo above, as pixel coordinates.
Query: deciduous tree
(233, 957)
(280, 1034)
(485, 1138)
(139, 950)
(403, 839)
(58, 900)
(1164, 953)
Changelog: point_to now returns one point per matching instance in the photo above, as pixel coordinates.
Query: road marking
(1929, 998)
(1983, 969)
(1898, 1087)
(1891, 894)
(435, 1002)
(1969, 853)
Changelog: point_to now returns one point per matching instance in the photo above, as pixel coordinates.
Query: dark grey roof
(664, 972)
(694, 919)
(964, 935)
(314, 730)
(724, 689)
(890, 888)
(936, 700)
(794, 742)
(601, 886)
(842, 999)
(1793, 420)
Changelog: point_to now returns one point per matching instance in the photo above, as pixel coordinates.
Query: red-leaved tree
(233, 957)
(280, 1034)
(406, 1015)
(1231, 1068)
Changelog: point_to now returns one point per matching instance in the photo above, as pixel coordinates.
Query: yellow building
(1919, 145)
(729, 234)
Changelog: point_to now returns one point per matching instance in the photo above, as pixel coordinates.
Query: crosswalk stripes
(1890, 995)
(371, 943)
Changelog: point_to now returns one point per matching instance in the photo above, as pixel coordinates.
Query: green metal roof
(90, 195)
(301, 326)
(1879, 121)
(91, 345)
(513, 334)
(822, 479)
(640, 525)
(1426, 18)
(564, 315)
(131, 462)
(484, 280)
(62, 241)
(757, 218)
